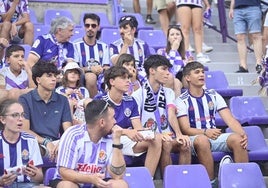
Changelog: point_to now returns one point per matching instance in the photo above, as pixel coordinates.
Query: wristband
(46, 141)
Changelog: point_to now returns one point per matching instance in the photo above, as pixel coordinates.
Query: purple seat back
(51, 14)
(181, 176)
(27, 49)
(154, 38)
(249, 110)
(40, 30)
(79, 32)
(109, 35)
(49, 175)
(218, 81)
(138, 177)
(241, 175)
(257, 147)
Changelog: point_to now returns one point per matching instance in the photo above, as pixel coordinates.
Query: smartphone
(148, 133)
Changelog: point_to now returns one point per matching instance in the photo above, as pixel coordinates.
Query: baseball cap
(128, 19)
(72, 65)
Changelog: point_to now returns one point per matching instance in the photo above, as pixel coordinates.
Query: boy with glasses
(93, 54)
(127, 116)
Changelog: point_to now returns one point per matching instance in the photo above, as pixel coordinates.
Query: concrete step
(229, 67)
(240, 78)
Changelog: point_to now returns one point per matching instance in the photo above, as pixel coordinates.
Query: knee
(201, 142)
(166, 147)
(91, 79)
(29, 26)
(157, 140)
(233, 142)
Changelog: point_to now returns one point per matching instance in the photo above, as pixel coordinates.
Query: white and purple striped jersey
(21, 81)
(140, 50)
(125, 111)
(189, 2)
(21, 8)
(98, 52)
(153, 107)
(47, 48)
(19, 154)
(78, 152)
(200, 110)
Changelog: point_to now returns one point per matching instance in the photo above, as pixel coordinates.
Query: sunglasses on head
(91, 25)
(175, 26)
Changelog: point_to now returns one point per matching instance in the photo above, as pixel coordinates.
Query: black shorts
(55, 182)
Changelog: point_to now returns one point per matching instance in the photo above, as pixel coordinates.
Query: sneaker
(226, 159)
(258, 68)
(202, 58)
(150, 20)
(190, 49)
(242, 70)
(206, 48)
(214, 183)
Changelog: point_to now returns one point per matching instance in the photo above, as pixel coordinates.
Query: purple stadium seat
(249, 110)
(109, 35)
(40, 30)
(154, 38)
(27, 49)
(49, 175)
(104, 21)
(105, 2)
(152, 50)
(141, 24)
(182, 176)
(51, 14)
(138, 177)
(33, 17)
(241, 175)
(257, 147)
(217, 80)
(78, 34)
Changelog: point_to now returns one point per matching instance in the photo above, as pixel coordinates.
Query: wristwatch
(118, 146)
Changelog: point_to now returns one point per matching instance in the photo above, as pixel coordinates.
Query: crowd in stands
(91, 108)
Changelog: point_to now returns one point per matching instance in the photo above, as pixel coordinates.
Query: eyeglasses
(104, 108)
(90, 25)
(16, 115)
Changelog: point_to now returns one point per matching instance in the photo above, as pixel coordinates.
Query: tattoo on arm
(118, 170)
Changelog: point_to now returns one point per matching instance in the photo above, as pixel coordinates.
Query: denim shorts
(219, 144)
(247, 19)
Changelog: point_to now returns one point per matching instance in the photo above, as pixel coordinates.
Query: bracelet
(46, 141)
(205, 132)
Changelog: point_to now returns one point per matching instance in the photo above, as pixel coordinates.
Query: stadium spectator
(157, 110)
(93, 54)
(17, 149)
(196, 109)
(128, 61)
(15, 74)
(128, 43)
(3, 44)
(127, 116)
(72, 89)
(190, 15)
(177, 55)
(47, 113)
(55, 46)
(16, 12)
(95, 160)
(247, 18)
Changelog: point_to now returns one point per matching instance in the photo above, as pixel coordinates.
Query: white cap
(72, 65)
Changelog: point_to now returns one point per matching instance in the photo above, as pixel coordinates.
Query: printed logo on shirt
(151, 123)
(102, 157)
(210, 105)
(36, 43)
(25, 154)
(89, 168)
(127, 112)
(164, 122)
(101, 54)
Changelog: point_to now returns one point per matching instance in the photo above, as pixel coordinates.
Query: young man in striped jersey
(196, 109)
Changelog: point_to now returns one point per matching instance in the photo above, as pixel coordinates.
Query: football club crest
(102, 157)
(25, 155)
(164, 122)
(127, 112)
(210, 105)
(150, 123)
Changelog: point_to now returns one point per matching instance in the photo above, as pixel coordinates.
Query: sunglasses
(17, 115)
(104, 108)
(90, 25)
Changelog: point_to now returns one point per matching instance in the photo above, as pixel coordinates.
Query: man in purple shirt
(127, 116)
